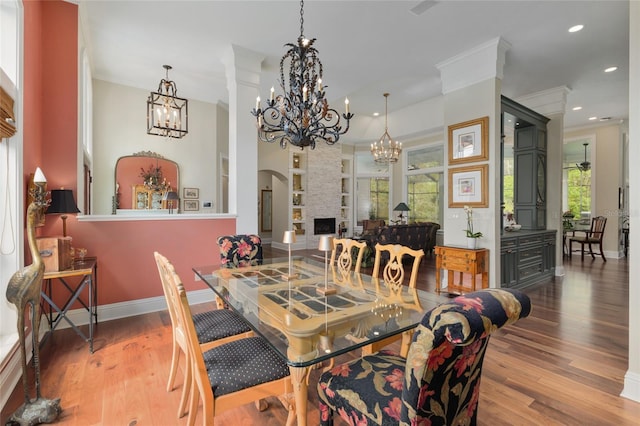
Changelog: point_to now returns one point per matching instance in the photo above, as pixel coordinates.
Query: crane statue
(24, 289)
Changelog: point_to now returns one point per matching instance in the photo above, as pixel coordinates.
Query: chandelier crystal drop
(167, 114)
(386, 150)
(301, 115)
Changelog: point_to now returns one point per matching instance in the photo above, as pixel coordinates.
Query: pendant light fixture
(301, 116)
(167, 114)
(585, 165)
(386, 150)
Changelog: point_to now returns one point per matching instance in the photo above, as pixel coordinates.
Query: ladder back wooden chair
(233, 374)
(342, 256)
(592, 237)
(393, 277)
(438, 383)
(213, 328)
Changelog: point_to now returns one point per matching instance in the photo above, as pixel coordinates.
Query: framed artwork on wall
(190, 193)
(469, 141)
(468, 186)
(191, 205)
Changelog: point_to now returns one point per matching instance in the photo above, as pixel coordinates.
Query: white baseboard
(631, 386)
(12, 372)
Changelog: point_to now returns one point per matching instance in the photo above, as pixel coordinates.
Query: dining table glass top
(313, 312)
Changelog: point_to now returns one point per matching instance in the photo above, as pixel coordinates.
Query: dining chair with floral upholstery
(240, 250)
(438, 383)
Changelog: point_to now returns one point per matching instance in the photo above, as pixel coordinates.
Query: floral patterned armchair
(439, 381)
(240, 250)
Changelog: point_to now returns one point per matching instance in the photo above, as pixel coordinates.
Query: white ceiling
(369, 47)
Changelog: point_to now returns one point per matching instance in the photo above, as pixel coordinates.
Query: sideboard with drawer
(463, 266)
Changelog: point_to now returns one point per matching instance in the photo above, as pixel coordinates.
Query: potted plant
(472, 237)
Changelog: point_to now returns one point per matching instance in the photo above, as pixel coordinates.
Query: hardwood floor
(563, 365)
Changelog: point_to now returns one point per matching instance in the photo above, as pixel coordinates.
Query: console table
(86, 272)
(472, 262)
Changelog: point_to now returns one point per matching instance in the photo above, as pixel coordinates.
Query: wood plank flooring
(563, 365)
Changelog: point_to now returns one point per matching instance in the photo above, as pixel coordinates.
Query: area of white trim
(631, 386)
(150, 215)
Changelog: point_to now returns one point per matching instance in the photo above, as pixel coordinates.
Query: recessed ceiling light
(375, 114)
(610, 69)
(576, 28)
(577, 108)
(593, 118)
(605, 119)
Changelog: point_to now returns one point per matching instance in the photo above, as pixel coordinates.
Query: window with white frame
(11, 190)
(424, 177)
(372, 188)
(576, 178)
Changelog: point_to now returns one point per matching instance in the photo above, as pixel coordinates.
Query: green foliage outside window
(578, 191)
(424, 197)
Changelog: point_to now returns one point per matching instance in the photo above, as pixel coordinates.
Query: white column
(632, 377)
(243, 68)
(471, 85)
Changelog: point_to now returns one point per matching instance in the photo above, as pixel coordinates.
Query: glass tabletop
(312, 312)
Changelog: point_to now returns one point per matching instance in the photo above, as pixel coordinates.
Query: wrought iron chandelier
(386, 150)
(167, 114)
(301, 115)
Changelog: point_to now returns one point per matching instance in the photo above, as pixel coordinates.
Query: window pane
(425, 158)
(366, 165)
(373, 198)
(424, 197)
(579, 192)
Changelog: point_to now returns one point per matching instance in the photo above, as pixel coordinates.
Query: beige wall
(119, 128)
(607, 178)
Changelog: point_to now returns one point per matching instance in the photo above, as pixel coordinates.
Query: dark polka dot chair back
(240, 250)
(439, 381)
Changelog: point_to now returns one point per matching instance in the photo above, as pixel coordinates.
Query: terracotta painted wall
(126, 269)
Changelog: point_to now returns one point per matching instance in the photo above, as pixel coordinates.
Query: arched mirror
(143, 180)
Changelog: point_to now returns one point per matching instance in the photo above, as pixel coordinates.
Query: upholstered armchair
(438, 383)
(240, 250)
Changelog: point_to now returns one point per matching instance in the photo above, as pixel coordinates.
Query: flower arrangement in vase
(472, 236)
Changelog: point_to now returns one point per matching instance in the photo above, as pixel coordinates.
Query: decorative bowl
(512, 227)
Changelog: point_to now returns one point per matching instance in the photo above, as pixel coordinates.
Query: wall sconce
(289, 238)
(62, 202)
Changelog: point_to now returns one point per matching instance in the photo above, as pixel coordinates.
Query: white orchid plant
(470, 234)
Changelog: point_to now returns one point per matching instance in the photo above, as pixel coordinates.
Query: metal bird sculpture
(24, 289)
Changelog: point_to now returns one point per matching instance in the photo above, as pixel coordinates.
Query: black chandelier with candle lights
(167, 114)
(301, 115)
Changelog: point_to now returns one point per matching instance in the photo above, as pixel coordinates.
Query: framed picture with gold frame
(469, 141)
(468, 186)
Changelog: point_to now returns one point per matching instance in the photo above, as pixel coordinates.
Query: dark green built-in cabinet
(528, 256)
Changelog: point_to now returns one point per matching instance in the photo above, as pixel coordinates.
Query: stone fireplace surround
(324, 179)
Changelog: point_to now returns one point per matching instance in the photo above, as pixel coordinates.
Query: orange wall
(126, 268)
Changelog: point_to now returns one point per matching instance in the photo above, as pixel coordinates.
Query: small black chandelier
(301, 115)
(167, 113)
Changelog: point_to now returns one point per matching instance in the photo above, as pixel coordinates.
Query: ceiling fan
(585, 165)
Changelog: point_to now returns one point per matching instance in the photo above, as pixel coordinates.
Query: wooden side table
(464, 261)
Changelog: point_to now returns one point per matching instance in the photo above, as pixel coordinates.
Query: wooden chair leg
(591, 252)
(602, 253)
(174, 365)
